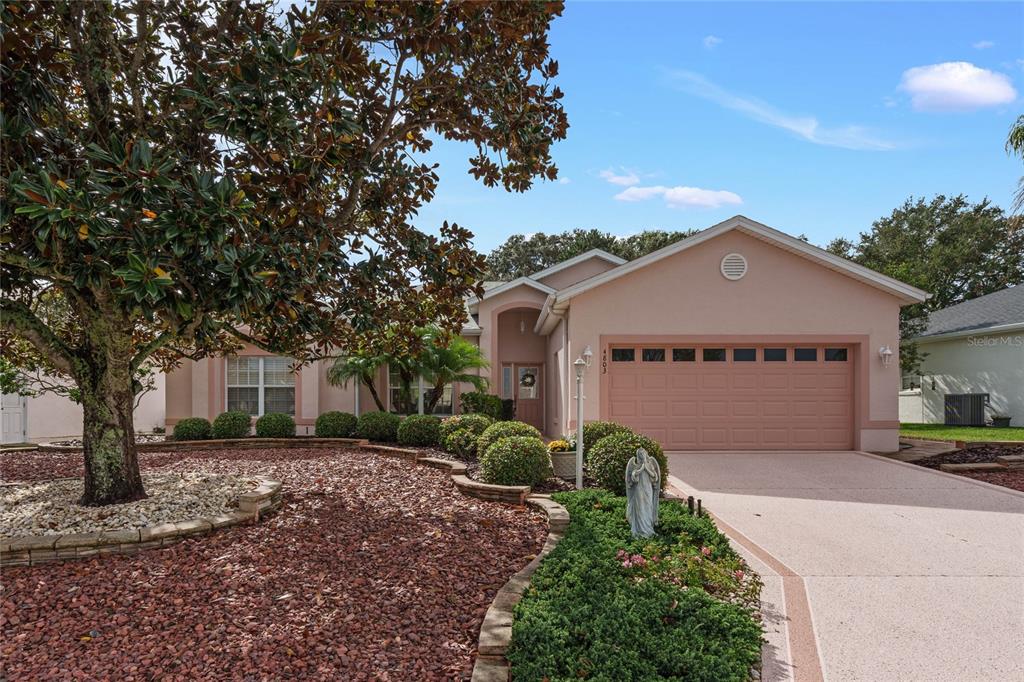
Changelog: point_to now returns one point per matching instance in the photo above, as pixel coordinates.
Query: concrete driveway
(874, 569)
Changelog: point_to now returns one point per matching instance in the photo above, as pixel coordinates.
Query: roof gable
(906, 294)
(575, 260)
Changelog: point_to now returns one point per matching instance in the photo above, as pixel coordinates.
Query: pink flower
(706, 551)
(739, 575)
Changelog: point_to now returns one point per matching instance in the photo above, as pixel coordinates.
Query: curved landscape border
(31, 550)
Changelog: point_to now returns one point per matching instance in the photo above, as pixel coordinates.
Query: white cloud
(564, 181)
(681, 197)
(956, 86)
(806, 127)
(626, 179)
(711, 42)
(983, 45)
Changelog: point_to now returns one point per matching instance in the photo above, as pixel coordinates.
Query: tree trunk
(373, 392)
(106, 382)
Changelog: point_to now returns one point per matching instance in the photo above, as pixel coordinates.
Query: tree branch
(19, 320)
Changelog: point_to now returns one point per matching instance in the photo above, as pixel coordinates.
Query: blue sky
(812, 118)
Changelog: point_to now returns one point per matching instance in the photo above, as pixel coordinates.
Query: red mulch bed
(1011, 478)
(373, 569)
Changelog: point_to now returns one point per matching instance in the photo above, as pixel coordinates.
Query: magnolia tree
(183, 176)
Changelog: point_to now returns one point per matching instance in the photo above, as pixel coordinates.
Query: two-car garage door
(734, 397)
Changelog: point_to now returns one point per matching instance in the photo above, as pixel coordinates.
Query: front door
(529, 395)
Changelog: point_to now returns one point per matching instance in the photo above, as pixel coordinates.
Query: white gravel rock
(51, 507)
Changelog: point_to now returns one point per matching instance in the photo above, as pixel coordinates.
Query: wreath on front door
(528, 380)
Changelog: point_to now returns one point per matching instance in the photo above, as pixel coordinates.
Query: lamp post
(581, 366)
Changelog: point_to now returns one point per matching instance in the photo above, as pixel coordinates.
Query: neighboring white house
(52, 417)
(971, 347)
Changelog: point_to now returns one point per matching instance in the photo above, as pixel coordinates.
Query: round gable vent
(734, 266)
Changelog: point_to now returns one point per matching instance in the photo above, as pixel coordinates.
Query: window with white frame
(395, 403)
(260, 385)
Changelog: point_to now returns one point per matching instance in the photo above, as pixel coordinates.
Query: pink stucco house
(740, 337)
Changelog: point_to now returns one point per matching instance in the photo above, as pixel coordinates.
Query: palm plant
(1015, 145)
(359, 368)
(449, 361)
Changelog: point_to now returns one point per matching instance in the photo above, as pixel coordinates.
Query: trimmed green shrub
(335, 425)
(500, 430)
(587, 616)
(461, 442)
(192, 428)
(518, 460)
(275, 425)
(231, 425)
(595, 431)
(607, 460)
(419, 429)
(474, 423)
(482, 403)
(382, 426)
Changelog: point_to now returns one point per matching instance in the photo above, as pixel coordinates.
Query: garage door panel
(683, 408)
(805, 381)
(835, 408)
(715, 408)
(744, 382)
(744, 408)
(775, 408)
(653, 408)
(622, 408)
(805, 408)
(622, 382)
(714, 381)
(683, 382)
(775, 382)
(653, 382)
(735, 405)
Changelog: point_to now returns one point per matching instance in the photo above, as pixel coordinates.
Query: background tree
(520, 255)
(189, 175)
(948, 247)
(1015, 145)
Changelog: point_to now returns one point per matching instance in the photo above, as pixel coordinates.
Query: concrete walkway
(874, 569)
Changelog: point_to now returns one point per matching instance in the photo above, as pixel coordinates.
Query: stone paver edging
(224, 443)
(31, 550)
(496, 630)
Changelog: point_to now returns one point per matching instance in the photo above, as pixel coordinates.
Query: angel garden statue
(643, 486)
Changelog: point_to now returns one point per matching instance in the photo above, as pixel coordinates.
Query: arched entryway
(518, 369)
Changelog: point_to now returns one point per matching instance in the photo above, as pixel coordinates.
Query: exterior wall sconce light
(588, 355)
(886, 354)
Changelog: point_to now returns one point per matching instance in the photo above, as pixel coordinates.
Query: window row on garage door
(718, 396)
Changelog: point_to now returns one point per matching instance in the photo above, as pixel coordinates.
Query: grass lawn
(965, 433)
(606, 606)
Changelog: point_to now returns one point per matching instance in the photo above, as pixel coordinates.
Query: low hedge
(419, 429)
(594, 611)
(595, 431)
(607, 459)
(275, 425)
(382, 426)
(335, 425)
(500, 430)
(474, 423)
(461, 442)
(192, 428)
(518, 460)
(231, 425)
(482, 403)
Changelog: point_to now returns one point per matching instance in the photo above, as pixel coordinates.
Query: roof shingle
(991, 310)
